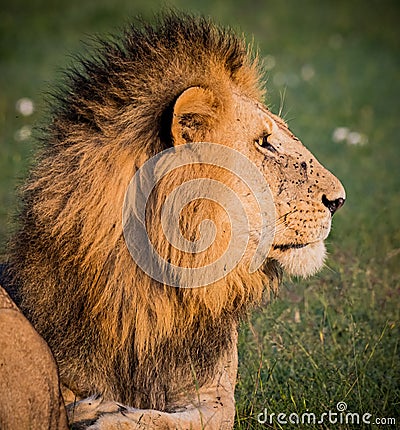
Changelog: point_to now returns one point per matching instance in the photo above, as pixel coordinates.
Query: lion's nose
(333, 205)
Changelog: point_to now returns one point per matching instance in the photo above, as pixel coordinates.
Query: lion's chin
(304, 261)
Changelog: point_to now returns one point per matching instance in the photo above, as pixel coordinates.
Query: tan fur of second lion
(30, 396)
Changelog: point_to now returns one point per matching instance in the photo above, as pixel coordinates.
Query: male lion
(131, 351)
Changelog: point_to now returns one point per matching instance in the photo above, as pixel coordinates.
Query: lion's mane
(112, 329)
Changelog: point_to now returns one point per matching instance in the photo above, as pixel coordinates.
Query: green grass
(331, 338)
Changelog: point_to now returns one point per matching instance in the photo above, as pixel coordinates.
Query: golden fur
(113, 330)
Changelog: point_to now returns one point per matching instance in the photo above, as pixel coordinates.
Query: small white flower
(269, 62)
(356, 138)
(23, 133)
(25, 106)
(340, 134)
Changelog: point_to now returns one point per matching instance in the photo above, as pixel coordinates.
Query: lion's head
(113, 329)
(305, 193)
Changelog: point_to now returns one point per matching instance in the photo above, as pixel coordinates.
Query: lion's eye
(264, 143)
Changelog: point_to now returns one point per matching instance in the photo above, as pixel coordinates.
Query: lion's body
(114, 331)
(29, 386)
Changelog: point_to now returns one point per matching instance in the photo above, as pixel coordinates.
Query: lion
(26, 362)
(131, 351)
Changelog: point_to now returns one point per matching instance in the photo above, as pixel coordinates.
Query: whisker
(282, 101)
(326, 266)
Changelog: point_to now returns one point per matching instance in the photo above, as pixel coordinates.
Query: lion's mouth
(290, 246)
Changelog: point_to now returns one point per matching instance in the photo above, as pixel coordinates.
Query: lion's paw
(131, 419)
(86, 412)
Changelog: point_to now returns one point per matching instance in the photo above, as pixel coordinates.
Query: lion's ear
(195, 111)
